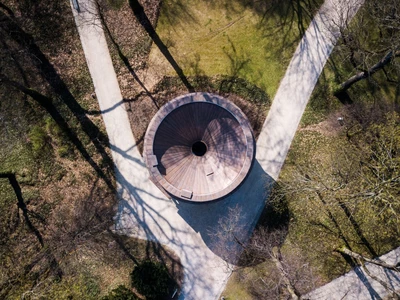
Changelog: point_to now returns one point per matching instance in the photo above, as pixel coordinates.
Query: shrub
(39, 139)
(151, 280)
(64, 151)
(120, 293)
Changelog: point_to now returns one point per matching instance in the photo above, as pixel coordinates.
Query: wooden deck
(205, 118)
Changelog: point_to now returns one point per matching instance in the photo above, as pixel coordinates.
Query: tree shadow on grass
(226, 225)
(178, 11)
(27, 42)
(22, 206)
(141, 16)
(124, 59)
(284, 23)
(237, 62)
(357, 228)
(288, 15)
(46, 103)
(53, 264)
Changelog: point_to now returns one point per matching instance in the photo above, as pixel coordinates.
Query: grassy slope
(339, 68)
(225, 37)
(315, 244)
(316, 145)
(54, 169)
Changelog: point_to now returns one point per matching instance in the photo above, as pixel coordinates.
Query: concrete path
(143, 210)
(358, 285)
(299, 81)
(185, 227)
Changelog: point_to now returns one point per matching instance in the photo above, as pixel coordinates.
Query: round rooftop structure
(199, 147)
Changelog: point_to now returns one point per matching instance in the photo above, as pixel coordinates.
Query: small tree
(120, 293)
(151, 280)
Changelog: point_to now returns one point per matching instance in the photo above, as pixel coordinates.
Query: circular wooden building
(199, 147)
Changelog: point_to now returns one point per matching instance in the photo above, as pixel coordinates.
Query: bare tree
(288, 275)
(266, 244)
(371, 43)
(229, 238)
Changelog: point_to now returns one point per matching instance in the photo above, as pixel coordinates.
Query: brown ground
(69, 206)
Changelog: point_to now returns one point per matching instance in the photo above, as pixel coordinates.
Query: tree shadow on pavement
(246, 203)
(139, 216)
(124, 59)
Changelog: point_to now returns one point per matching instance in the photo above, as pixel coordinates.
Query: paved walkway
(358, 285)
(299, 81)
(184, 227)
(143, 210)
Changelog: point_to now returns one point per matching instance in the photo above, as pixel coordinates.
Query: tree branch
(383, 283)
(359, 257)
(276, 258)
(368, 73)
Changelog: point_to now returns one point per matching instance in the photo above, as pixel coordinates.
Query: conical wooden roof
(199, 147)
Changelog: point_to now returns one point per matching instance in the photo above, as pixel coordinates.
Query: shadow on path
(249, 198)
(137, 215)
(124, 59)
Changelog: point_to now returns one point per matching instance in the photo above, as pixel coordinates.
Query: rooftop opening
(199, 148)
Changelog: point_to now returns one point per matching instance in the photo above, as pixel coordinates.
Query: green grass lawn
(227, 38)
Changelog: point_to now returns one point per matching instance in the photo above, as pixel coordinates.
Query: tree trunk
(276, 258)
(359, 257)
(365, 74)
(383, 283)
(361, 260)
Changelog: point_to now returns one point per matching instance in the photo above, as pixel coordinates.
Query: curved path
(184, 227)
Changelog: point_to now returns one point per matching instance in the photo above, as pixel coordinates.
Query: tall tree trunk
(276, 258)
(365, 74)
(362, 259)
(357, 256)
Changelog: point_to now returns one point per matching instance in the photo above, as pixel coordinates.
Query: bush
(64, 151)
(60, 139)
(151, 280)
(120, 293)
(92, 288)
(39, 139)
